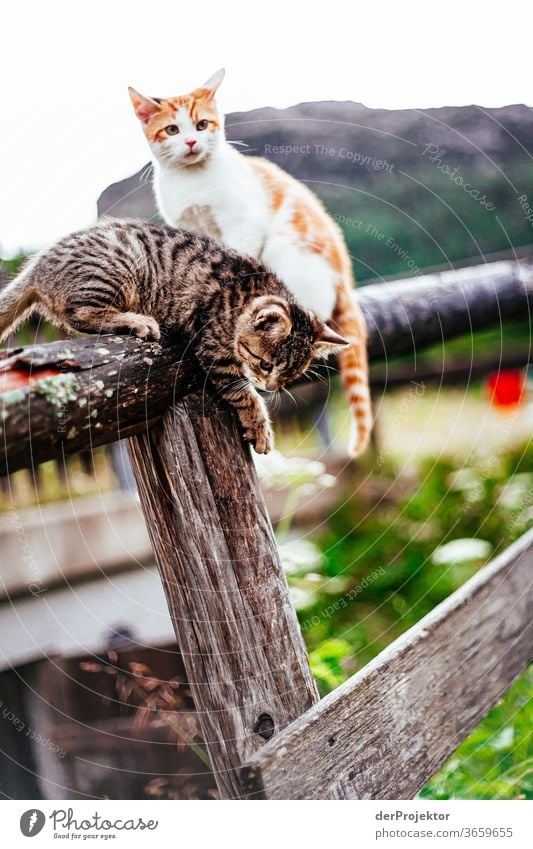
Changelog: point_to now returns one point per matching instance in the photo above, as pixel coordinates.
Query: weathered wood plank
(66, 396)
(386, 731)
(245, 658)
(405, 316)
(126, 384)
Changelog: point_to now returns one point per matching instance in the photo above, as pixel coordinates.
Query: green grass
(378, 577)
(496, 760)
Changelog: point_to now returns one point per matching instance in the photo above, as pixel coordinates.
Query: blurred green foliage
(420, 218)
(9, 267)
(379, 576)
(496, 760)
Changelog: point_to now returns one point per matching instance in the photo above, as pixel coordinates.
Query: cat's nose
(190, 143)
(271, 385)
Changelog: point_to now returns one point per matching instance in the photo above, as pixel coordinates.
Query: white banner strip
(412, 824)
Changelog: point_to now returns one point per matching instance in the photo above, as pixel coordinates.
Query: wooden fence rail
(60, 398)
(228, 599)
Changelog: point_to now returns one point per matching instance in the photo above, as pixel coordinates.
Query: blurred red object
(506, 388)
(18, 378)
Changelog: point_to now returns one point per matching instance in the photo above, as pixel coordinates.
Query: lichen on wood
(59, 390)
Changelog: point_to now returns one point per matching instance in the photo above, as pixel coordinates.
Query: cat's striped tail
(353, 363)
(17, 301)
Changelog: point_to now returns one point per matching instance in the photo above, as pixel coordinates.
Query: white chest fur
(222, 197)
(225, 198)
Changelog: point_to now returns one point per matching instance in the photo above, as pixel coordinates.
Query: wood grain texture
(81, 393)
(405, 316)
(388, 729)
(238, 633)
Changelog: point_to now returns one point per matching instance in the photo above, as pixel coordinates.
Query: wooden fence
(386, 730)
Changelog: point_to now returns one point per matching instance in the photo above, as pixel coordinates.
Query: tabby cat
(203, 183)
(242, 325)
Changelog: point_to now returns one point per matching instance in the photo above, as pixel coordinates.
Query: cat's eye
(266, 366)
(202, 125)
(171, 130)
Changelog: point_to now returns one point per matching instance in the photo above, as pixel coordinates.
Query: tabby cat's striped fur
(241, 323)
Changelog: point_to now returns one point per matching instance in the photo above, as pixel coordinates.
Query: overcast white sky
(67, 128)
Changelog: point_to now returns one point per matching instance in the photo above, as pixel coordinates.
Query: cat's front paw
(146, 328)
(261, 436)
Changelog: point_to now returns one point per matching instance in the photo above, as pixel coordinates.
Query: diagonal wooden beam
(384, 732)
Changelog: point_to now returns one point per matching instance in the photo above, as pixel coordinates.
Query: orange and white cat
(202, 183)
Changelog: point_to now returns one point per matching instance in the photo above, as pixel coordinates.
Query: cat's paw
(261, 437)
(146, 328)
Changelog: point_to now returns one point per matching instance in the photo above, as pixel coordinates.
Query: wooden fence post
(245, 658)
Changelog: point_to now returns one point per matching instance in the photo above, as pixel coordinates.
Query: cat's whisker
(146, 173)
(317, 375)
(236, 386)
(291, 396)
(273, 398)
(329, 368)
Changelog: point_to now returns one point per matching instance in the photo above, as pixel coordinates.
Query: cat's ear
(144, 107)
(272, 317)
(215, 80)
(327, 341)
